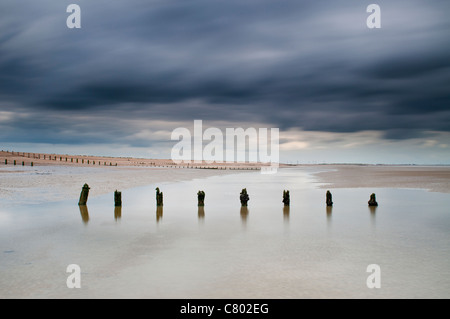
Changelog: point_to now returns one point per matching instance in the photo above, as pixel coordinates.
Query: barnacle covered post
(329, 199)
(159, 197)
(244, 197)
(286, 198)
(372, 200)
(201, 198)
(84, 195)
(117, 199)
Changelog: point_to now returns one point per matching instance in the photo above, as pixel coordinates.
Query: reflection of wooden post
(84, 195)
(286, 211)
(329, 211)
(244, 213)
(159, 213)
(201, 212)
(117, 199)
(84, 213)
(117, 212)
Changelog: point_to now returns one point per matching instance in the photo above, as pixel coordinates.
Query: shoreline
(431, 178)
(7, 158)
(34, 185)
(54, 179)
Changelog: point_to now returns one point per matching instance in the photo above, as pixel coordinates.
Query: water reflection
(373, 210)
(117, 212)
(201, 213)
(159, 213)
(286, 211)
(244, 214)
(84, 213)
(329, 214)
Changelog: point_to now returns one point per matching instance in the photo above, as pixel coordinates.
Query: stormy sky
(137, 69)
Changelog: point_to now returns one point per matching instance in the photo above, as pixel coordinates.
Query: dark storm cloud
(305, 64)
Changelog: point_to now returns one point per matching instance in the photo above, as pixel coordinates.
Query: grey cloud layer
(315, 66)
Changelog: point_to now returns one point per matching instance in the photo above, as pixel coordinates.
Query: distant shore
(56, 177)
(431, 178)
(52, 178)
(45, 159)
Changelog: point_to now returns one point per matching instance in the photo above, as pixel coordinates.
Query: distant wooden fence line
(85, 161)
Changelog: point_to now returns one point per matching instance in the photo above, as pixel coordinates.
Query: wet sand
(54, 183)
(53, 178)
(431, 178)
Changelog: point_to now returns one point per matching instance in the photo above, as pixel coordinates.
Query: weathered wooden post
(329, 199)
(201, 198)
(6, 162)
(84, 195)
(159, 197)
(117, 199)
(244, 197)
(372, 200)
(286, 198)
(14, 162)
(32, 164)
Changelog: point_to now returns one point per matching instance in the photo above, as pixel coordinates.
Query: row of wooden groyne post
(243, 197)
(50, 157)
(98, 162)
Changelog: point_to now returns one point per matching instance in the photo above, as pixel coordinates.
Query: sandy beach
(222, 250)
(40, 184)
(54, 177)
(431, 178)
(39, 177)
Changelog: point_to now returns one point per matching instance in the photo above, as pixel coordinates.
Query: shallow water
(223, 251)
